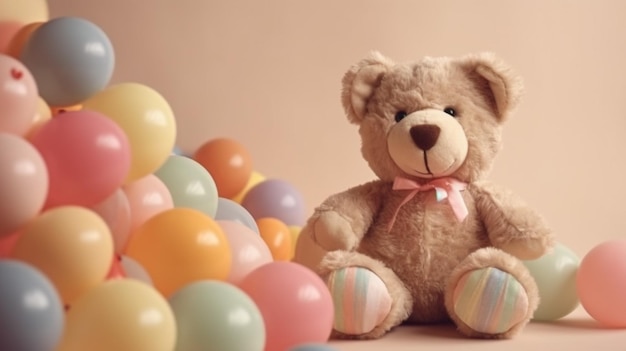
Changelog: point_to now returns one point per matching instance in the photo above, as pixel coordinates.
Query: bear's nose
(425, 135)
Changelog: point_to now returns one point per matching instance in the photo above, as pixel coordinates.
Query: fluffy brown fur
(427, 249)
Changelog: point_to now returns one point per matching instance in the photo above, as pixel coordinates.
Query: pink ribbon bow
(445, 188)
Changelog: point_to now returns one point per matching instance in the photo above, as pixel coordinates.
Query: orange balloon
(60, 109)
(228, 162)
(277, 236)
(15, 46)
(180, 246)
(71, 245)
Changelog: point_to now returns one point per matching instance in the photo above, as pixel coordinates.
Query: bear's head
(432, 118)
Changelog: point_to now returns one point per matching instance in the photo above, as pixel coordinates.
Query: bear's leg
(491, 294)
(369, 298)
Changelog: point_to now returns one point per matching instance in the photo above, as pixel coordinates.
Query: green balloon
(190, 184)
(215, 315)
(555, 275)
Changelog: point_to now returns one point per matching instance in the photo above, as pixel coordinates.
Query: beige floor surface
(577, 331)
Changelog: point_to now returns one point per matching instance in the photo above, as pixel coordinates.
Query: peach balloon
(147, 196)
(23, 183)
(115, 210)
(601, 283)
(71, 245)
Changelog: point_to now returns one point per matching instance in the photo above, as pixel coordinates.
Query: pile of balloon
(110, 239)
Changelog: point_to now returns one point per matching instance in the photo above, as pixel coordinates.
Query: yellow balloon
(71, 245)
(24, 11)
(295, 233)
(255, 178)
(122, 314)
(42, 115)
(180, 246)
(146, 118)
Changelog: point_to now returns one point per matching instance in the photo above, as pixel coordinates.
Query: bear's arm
(511, 225)
(341, 221)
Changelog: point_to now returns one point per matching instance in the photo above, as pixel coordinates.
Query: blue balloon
(229, 210)
(31, 312)
(178, 151)
(313, 347)
(70, 58)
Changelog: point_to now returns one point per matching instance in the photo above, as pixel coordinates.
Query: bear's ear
(359, 83)
(495, 80)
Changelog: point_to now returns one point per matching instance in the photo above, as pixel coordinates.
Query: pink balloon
(248, 249)
(147, 197)
(87, 155)
(295, 303)
(115, 210)
(18, 96)
(601, 283)
(23, 182)
(7, 243)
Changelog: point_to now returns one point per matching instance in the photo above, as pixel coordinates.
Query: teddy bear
(431, 240)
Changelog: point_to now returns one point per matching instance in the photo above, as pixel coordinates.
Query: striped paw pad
(490, 301)
(361, 300)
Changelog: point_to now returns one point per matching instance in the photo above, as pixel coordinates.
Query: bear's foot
(491, 295)
(490, 301)
(361, 300)
(369, 298)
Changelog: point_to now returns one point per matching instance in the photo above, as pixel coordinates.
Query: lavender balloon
(278, 199)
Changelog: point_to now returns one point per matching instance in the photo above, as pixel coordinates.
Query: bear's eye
(450, 111)
(400, 115)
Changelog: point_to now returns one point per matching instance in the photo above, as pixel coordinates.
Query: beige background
(267, 73)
